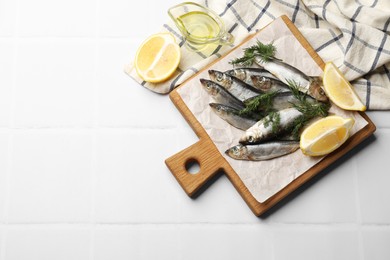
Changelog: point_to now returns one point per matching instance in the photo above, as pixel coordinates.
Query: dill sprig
(273, 119)
(261, 102)
(309, 110)
(265, 51)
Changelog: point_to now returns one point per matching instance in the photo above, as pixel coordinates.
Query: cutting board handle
(206, 155)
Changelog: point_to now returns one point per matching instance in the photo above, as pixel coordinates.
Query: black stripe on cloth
(352, 38)
(374, 3)
(227, 7)
(357, 12)
(379, 52)
(239, 18)
(229, 31)
(296, 9)
(386, 25)
(324, 9)
(173, 83)
(198, 52)
(334, 39)
(368, 93)
(263, 10)
(338, 41)
(366, 44)
(316, 19)
(182, 40)
(351, 66)
(386, 71)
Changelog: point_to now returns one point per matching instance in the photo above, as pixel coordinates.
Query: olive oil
(199, 26)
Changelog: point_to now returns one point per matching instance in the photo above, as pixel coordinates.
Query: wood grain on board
(211, 162)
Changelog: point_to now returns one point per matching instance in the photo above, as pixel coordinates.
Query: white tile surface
(376, 241)
(82, 150)
(125, 109)
(51, 177)
(316, 243)
(8, 12)
(225, 242)
(373, 179)
(137, 242)
(330, 198)
(7, 53)
(118, 18)
(123, 179)
(47, 243)
(4, 163)
(70, 18)
(55, 84)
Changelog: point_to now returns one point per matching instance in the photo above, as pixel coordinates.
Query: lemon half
(157, 58)
(339, 90)
(325, 135)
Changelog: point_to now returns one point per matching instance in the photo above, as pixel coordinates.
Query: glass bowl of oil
(199, 25)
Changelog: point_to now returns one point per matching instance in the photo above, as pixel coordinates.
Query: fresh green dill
(273, 119)
(265, 51)
(309, 110)
(262, 102)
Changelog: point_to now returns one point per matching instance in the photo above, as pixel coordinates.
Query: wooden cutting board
(211, 162)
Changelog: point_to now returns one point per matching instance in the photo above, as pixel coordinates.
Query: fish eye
(322, 92)
(219, 77)
(251, 139)
(236, 150)
(218, 108)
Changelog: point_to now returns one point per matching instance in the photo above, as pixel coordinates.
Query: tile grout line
(358, 211)
(3, 246)
(95, 127)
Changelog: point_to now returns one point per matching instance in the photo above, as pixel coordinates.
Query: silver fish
(264, 151)
(245, 74)
(236, 87)
(287, 73)
(284, 100)
(273, 125)
(268, 84)
(232, 116)
(220, 94)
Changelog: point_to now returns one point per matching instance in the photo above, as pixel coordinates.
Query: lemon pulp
(157, 58)
(325, 135)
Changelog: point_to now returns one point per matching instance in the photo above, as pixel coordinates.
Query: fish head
(217, 108)
(220, 78)
(248, 138)
(209, 86)
(261, 82)
(316, 90)
(238, 73)
(237, 152)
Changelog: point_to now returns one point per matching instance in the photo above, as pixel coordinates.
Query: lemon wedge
(325, 135)
(157, 58)
(339, 90)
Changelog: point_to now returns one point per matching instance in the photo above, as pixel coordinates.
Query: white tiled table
(82, 150)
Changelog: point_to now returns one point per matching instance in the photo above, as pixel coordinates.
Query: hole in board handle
(192, 166)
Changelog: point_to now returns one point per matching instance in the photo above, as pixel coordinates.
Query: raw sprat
(157, 58)
(264, 56)
(285, 100)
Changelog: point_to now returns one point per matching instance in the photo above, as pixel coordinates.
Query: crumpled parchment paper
(262, 178)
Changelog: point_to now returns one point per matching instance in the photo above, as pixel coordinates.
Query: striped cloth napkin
(353, 34)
